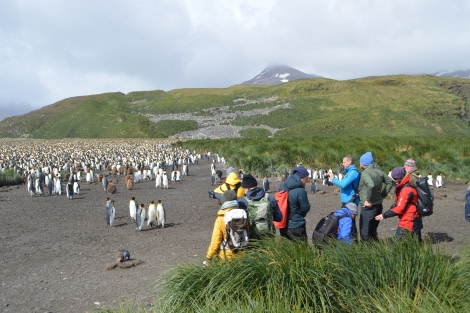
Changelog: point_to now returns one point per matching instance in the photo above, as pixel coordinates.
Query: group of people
(369, 188)
(366, 189)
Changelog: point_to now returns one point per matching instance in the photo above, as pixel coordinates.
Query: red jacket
(405, 205)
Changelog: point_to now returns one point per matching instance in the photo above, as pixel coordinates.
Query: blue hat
(366, 159)
(300, 171)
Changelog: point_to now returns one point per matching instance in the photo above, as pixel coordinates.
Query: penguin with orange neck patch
(140, 217)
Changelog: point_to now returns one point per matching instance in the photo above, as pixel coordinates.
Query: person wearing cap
(374, 186)
(412, 170)
(409, 220)
(299, 205)
(349, 187)
(255, 193)
(219, 234)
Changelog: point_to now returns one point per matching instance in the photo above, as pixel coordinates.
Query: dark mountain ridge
(278, 74)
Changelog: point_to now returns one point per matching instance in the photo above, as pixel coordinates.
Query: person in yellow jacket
(218, 246)
(232, 182)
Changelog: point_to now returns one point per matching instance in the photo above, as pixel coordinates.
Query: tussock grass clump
(280, 276)
(9, 177)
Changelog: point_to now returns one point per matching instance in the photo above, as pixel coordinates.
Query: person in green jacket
(374, 186)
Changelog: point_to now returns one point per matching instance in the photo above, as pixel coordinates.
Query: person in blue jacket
(349, 185)
(345, 223)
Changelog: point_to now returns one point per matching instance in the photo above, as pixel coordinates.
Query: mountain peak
(278, 74)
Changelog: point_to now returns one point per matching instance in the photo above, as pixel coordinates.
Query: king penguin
(160, 214)
(58, 185)
(31, 186)
(76, 187)
(158, 181)
(133, 208)
(265, 184)
(123, 255)
(69, 190)
(110, 211)
(152, 213)
(165, 180)
(50, 185)
(140, 217)
(38, 186)
(105, 183)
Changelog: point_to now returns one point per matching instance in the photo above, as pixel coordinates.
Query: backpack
(327, 228)
(260, 215)
(282, 201)
(425, 197)
(236, 227)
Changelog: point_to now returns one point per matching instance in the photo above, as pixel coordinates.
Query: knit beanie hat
(229, 195)
(351, 206)
(249, 181)
(398, 173)
(300, 171)
(410, 165)
(366, 159)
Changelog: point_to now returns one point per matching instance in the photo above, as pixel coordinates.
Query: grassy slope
(374, 106)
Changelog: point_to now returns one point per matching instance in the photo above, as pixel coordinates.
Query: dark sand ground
(55, 252)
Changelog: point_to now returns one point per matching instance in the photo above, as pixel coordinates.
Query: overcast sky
(55, 49)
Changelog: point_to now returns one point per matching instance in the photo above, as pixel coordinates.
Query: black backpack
(425, 203)
(327, 228)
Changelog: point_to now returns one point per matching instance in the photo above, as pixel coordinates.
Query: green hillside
(374, 106)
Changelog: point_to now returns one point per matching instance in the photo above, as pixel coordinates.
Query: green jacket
(374, 185)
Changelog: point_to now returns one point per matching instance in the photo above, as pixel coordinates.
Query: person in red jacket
(409, 220)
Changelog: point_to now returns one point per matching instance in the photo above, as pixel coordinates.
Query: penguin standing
(39, 189)
(140, 217)
(31, 189)
(265, 184)
(185, 169)
(105, 183)
(50, 186)
(69, 191)
(165, 180)
(152, 213)
(160, 214)
(110, 211)
(133, 208)
(178, 176)
(76, 187)
(57, 185)
(158, 181)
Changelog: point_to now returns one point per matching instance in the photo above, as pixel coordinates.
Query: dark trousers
(367, 223)
(294, 234)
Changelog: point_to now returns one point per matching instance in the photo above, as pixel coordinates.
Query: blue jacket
(349, 184)
(256, 194)
(344, 225)
(298, 201)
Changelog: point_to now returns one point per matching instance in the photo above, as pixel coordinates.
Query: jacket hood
(255, 193)
(292, 182)
(222, 212)
(232, 179)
